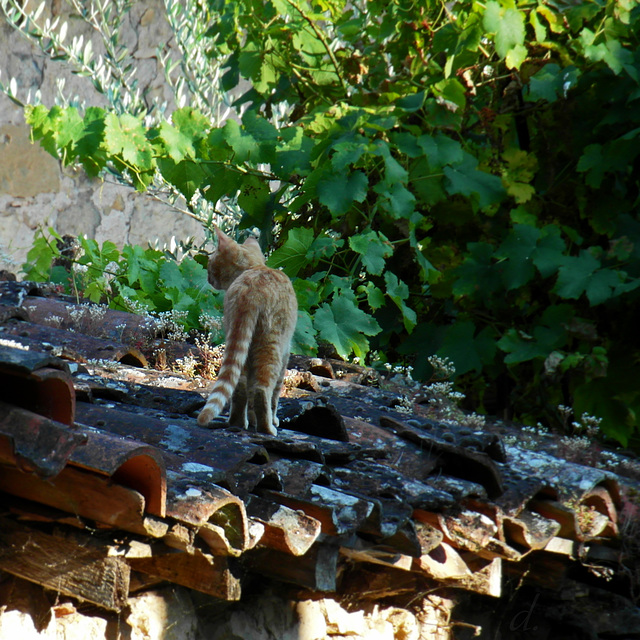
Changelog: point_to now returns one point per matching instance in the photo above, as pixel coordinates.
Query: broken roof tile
(349, 477)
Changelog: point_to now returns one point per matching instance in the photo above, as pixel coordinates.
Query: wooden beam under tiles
(75, 566)
(209, 574)
(316, 570)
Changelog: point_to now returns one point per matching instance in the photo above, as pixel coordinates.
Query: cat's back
(266, 292)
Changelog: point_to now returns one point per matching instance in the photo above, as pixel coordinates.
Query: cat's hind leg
(239, 402)
(275, 396)
(268, 374)
(263, 412)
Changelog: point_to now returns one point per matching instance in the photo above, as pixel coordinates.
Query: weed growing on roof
(187, 366)
(54, 321)
(404, 405)
(210, 356)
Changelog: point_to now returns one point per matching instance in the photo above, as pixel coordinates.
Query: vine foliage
(458, 179)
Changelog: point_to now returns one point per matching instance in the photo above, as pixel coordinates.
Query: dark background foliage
(457, 179)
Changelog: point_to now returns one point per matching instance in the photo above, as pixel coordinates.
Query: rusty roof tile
(35, 443)
(349, 475)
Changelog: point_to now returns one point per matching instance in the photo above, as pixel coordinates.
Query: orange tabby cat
(260, 312)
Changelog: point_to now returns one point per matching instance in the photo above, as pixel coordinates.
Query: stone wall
(175, 613)
(35, 190)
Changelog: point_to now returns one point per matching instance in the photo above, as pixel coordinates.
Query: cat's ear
(223, 238)
(252, 247)
(251, 241)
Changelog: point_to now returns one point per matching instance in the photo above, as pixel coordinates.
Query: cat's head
(230, 259)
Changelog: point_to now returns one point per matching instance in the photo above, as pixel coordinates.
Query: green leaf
(516, 56)
(603, 285)
(575, 274)
(89, 147)
(467, 351)
(304, 337)
(518, 249)
(348, 152)
(323, 247)
(552, 82)
(338, 191)
(477, 274)
(467, 180)
(508, 25)
(343, 325)
(187, 176)
(521, 347)
(219, 181)
(398, 291)
(397, 200)
(244, 145)
(255, 198)
(125, 136)
(141, 269)
(171, 276)
(373, 248)
(441, 150)
(549, 253)
(394, 171)
(177, 144)
(292, 256)
(592, 161)
(41, 255)
(375, 296)
(190, 123)
(307, 293)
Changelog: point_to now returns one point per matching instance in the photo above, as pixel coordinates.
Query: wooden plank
(446, 565)
(486, 580)
(316, 570)
(360, 551)
(203, 572)
(66, 565)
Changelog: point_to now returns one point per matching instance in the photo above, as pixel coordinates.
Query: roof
(101, 459)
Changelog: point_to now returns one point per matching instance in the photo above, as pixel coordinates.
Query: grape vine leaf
(125, 136)
(508, 25)
(292, 255)
(517, 250)
(338, 191)
(467, 180)
(304, 336)
(373, 248)
(468, 351)
(575, 274)
(398, 291)
(177, 144)
(345, 326)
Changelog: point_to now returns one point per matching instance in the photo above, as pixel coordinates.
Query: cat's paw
(271, 430)
(206, 417)
(276, 421)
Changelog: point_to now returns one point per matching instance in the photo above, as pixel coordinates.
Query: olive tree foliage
(110, 66)
(450, 178)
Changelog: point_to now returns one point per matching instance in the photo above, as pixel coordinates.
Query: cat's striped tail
(235, 355)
